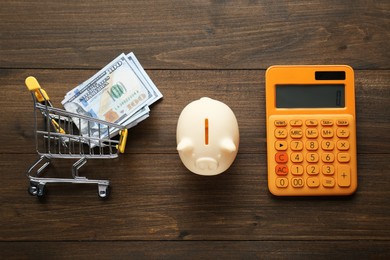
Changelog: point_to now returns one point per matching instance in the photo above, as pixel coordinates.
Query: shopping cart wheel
(37, 189)
(103, 191)
(33, 189)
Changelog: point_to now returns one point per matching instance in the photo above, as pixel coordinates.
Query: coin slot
(206, 131)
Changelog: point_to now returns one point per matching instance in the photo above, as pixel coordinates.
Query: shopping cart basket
(57, 135)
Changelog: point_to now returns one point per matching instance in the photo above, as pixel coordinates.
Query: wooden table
(190, 49)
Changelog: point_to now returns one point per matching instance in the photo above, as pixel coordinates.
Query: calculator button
(281, 169)
(297, 182)
(281, 182)
(312, 157)
(326, 122)
(312, 154)
(327, 145)
(281, 157)
(280, 133)
(343, 145)
(311, 122)
(280, 122)
(313, 182)
(326, 132)
(296, 157)
(342, 132)
(281, 145)
(296, 122)
(296, 169)
(313, 169)
(327, 169)
(296, 133)
(296, 145)
(342, 122)
(344, 176)
(312, 145)
(311, 133)
(328, 182)
(343, 157)
(327, 157)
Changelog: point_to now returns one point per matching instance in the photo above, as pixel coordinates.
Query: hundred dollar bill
(114, 94)
(138, 117)
(143, 113)
(147, 80)
(139, 70)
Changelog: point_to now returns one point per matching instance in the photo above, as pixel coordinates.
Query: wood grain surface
(190, 49)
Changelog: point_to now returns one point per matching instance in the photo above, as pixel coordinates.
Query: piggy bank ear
(185, 145)
(228, 145)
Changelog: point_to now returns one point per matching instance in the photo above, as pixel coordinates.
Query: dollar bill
(140, 72)
(119, 93)
(147, 80)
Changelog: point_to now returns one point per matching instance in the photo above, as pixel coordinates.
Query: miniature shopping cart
(58, 135)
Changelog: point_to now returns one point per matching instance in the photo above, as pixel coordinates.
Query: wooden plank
(242, 90)
(198, 250)
(169, 34)
(155, 197)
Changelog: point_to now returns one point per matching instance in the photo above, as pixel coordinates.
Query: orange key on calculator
(311, 130)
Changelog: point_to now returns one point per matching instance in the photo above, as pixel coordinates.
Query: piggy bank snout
(206, 163)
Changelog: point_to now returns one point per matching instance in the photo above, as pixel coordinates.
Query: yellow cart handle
(122, 141)
(57, 127)
(33, 85)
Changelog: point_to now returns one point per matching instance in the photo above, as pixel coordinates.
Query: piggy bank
(207, 137)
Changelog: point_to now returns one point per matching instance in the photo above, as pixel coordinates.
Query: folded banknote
(120, 93)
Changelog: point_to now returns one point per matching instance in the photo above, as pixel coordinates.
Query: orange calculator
(311, 130)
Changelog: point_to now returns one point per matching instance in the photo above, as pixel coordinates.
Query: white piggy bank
(207, 136)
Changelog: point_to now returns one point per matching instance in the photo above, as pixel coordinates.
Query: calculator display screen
(310, 96)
